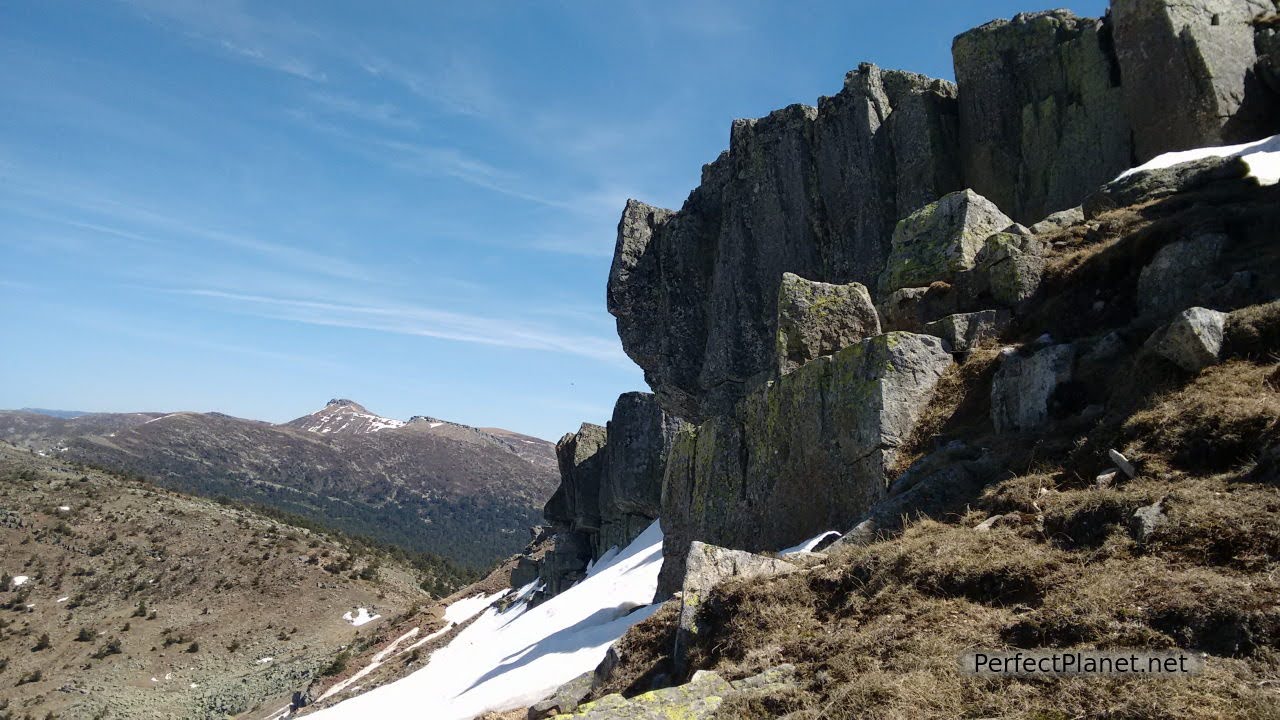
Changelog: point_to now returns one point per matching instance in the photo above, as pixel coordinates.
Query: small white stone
(1122, 462)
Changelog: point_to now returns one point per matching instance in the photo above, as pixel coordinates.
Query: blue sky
(254, 207)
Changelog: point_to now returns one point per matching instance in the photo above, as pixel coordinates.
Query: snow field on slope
(515, 657)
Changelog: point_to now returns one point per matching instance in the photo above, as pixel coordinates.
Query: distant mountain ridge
(65, 414)
(430, 485)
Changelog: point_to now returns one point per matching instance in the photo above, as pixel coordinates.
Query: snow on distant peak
(346, 416)
(1261, 156)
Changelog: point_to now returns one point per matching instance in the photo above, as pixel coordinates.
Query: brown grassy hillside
(141, 602)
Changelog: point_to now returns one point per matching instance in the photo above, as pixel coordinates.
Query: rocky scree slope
(426, 485)
(121, 599)
(1006, 444)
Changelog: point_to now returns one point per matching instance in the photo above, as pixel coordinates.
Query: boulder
(1188, 73)
(1041, 111)
(1060, 220)
(1023, 387)
(638, 437)
(910, 309)
(1177, 273)
(800, 456)
(940, 240)
(816, 318)
(965, 331)
(526, 571)
(565, 699)
(1007, 269)
(696, 700)
(812, 191)
(1146, 185)
(1146, 520)
(705, 566)
(1193, 341)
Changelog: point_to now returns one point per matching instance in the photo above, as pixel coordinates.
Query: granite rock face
(610, 487)
(940, 240)
(1042, 118)
(575, 505)
(812, 191)
(638, 437)
(1266, 41)
(1023, 387)
(817, 319)
(1188, 70)
(910, 309)
(806, 454)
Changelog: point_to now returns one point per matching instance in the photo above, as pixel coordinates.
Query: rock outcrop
(1042, 119)
(610, 488)
(576, 503)
(806, 454)
(813, 191)
(1188, 73)
(940, 240)
(816, 319)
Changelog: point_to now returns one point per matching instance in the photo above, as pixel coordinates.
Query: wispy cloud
(382, 113)
(92, 208)
(420, 321)
(278, 43)
(453, 85)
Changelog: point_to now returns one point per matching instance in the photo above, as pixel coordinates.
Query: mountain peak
(345, 403)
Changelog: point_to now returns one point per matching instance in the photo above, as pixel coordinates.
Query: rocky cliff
(769, 311)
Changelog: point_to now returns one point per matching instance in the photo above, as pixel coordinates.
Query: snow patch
(64, 508)
(374, 664)
(467, 608)
(1262, 157)
(512, 658)
(264, 660)
(360, 617)
(20, 580)
(64, 599)
(810, 544)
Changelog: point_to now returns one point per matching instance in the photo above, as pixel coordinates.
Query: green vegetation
(337, 665)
